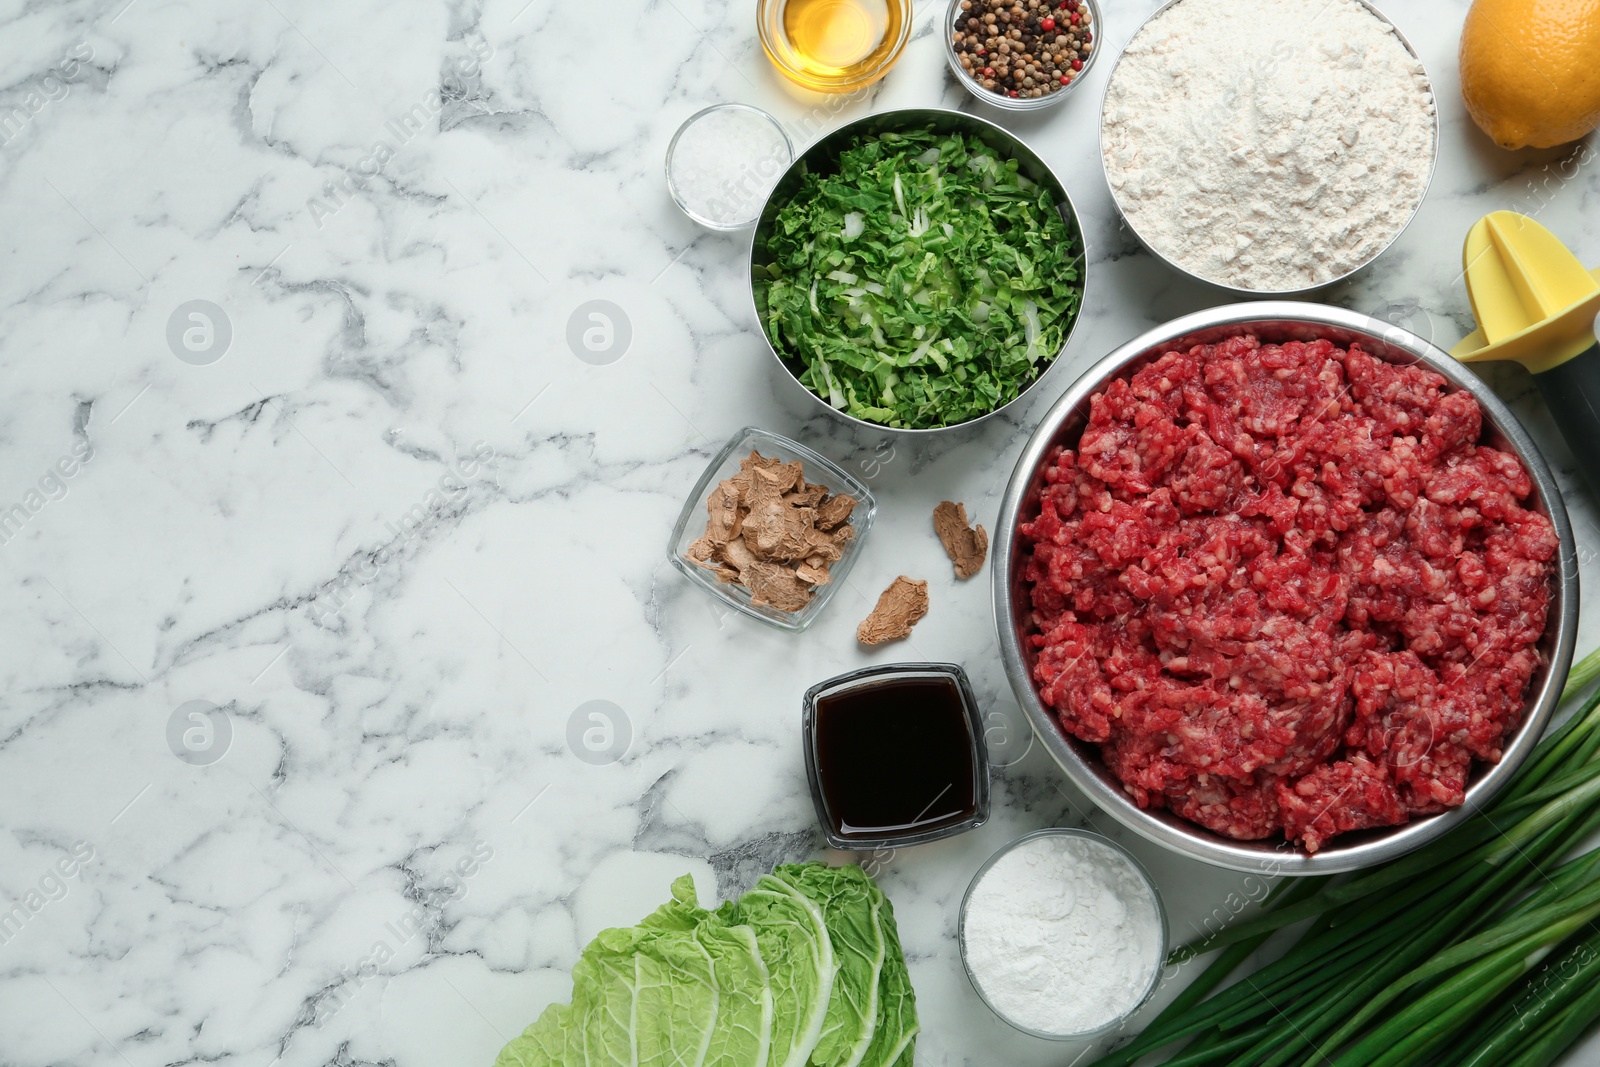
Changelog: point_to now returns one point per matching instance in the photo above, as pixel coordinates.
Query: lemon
(1530, 70)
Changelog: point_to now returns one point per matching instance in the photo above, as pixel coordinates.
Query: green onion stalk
(1481, 949)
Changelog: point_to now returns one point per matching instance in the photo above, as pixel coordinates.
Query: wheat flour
(1268, 144)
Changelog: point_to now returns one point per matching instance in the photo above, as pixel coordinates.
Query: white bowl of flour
(1269, 147)
(1062, 934)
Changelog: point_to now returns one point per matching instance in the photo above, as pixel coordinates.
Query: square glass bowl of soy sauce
(895, 755)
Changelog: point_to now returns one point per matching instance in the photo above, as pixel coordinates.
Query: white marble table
(399, 534)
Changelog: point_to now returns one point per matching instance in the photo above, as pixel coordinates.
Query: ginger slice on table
(965, 545)
(898, 609)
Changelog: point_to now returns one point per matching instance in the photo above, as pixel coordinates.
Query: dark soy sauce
(895, 757)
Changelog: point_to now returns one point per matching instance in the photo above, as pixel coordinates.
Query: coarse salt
(1062, 934)
(724, 162)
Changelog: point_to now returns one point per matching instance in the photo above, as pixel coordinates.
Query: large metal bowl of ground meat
(1293, 605)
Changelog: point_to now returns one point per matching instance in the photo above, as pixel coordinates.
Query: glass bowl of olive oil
(833, 46)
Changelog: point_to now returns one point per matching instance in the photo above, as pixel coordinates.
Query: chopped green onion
(1481, 948)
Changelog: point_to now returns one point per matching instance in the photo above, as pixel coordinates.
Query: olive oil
(833, 45)
(835, 34)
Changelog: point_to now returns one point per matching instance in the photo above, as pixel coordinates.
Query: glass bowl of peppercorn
(1021, 55)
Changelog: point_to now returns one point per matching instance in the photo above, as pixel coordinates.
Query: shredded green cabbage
(924, 284)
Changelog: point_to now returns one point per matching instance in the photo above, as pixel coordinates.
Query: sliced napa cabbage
(742, 1034)
(805, 970)
(943, 226)
(726, 963)
(675, 1000)
(794, 943)
(849, 904)
(543, 1043)
(683, 912)
(894, 1038)
(603, 989)
(596, 1029)
(647, 989)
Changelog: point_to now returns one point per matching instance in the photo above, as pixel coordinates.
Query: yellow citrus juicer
(1537, 305)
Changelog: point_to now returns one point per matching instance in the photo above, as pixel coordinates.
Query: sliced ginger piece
(898, 609)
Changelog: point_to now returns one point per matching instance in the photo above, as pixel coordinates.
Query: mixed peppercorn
(1023, 48)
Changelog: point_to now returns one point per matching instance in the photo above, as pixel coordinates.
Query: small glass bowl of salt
(1063, 934)
(722, 163)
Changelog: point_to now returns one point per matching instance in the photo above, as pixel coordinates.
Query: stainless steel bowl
(1276, 321)
(823, 155)
(1000, 100)
(1277, 294)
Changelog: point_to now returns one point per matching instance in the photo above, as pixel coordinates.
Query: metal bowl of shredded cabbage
(917, 270)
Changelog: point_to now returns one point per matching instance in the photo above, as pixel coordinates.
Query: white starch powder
(1063, 935)
(1268, 144)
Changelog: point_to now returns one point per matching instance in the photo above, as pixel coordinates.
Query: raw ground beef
(1286, 590)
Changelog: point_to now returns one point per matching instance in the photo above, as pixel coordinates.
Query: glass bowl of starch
(1063, 934)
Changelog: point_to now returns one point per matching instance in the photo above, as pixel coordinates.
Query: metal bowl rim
(912, 114)
(1278, 857)
(1274, 294)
